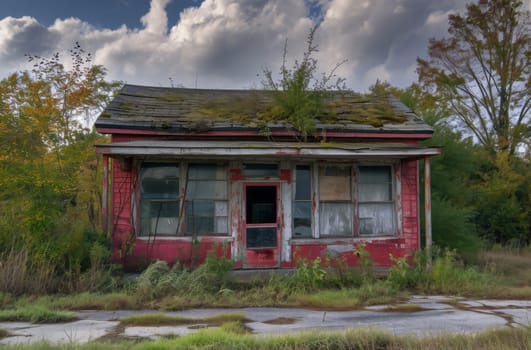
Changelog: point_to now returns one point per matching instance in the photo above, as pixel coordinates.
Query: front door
(262, 241)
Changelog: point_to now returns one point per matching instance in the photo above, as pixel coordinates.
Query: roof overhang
(263, 149)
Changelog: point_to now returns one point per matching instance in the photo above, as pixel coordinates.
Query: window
(302, 204)
(375, 200)
(206, 205)
(335, 201)
(259, 170)
(159, 205)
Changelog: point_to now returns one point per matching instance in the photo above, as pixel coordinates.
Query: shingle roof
(195, 110)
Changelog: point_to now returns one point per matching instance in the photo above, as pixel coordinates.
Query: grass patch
(370, 293)
(503, 339)
(235, 327)
(229, 337)
(36, 314)
(93, 301)
(160, 319)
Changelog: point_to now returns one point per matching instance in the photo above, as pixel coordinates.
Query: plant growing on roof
(298, 95)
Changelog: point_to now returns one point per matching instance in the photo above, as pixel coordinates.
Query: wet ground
(421, 316)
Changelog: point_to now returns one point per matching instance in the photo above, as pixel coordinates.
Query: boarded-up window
(206, 205)
(335, 201)
(159, 203)
(375, 200)
(302, 204)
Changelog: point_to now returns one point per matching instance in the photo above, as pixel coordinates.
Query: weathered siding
(410, 204)
(133, 251)
(122, 230)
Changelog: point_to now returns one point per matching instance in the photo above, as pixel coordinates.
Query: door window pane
(261, 237)
(261, 204)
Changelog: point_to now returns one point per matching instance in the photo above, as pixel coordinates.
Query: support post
(427, 207)
(104, 195)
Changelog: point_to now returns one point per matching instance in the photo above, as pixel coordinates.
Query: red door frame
(267, 257)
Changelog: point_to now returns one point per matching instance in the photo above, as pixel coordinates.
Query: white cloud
(226, 43)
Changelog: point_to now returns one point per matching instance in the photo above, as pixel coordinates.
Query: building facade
(193, 172)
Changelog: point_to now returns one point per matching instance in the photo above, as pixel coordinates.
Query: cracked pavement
(420, 315)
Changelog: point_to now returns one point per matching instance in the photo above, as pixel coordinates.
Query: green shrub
(159, 280)
(309, 275)
(405, 275)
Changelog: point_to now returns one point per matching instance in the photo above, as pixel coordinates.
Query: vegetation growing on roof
(298, 96)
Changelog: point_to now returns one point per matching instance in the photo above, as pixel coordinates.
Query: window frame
(354, 182)
(140, 199)
(182, 166)
(392, 201)
(350, 201)
(294, 200)
(186, 200)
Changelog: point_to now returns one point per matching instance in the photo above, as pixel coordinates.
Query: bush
(159, 280)
(404, 275)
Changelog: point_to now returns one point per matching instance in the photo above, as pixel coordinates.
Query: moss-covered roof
(198, 110)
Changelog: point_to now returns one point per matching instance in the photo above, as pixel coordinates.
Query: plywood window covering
(206, 204)
(375, 201)
(302, 203)
(335, 201)
(159, 204)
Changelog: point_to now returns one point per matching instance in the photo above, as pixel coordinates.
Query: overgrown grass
(93, 301)
(369, 293)
(36, 314)
(499, 273)
(362, 339)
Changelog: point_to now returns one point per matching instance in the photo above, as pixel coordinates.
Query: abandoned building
(191, 172)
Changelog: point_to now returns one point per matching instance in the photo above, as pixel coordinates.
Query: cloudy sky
(226, 43)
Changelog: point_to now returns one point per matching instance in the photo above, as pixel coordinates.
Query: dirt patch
(281, 320)
(407, 308)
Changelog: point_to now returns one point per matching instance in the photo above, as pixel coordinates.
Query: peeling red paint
(285, 175)
(182, 249)
(236, 175)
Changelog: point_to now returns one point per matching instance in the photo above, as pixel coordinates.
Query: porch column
(427, 206)
(104, 194)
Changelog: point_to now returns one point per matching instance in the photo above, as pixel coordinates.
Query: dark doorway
(261, 207)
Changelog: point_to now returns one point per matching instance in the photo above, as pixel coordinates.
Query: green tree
(298, 95)
(481, 73)
(49, 188)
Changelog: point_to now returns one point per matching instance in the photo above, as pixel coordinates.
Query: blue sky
(100, 13)
(226, 43)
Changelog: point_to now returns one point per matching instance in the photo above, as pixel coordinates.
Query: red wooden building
(192, 171)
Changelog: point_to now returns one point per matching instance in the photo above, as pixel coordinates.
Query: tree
(49, 193)
(482, 73)
(76, 92)
(298, 96)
